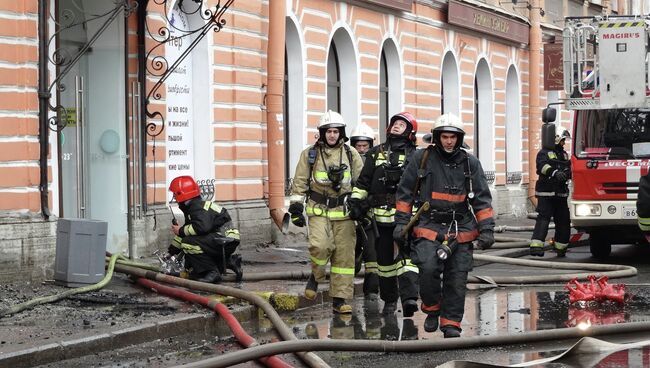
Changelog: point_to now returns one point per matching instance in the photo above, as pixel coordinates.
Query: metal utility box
(80, 252)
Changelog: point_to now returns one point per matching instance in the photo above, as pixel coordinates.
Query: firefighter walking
(460, 211)
(362, 140)
(375, 190)
(323, 180)
(207, 237)
(552, 191)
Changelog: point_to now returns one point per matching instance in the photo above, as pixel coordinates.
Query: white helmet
(363, 132)
(561, 134)
(449, 123)
(331, 119)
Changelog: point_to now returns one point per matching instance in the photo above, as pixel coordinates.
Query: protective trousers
(398, 276)
(371, 276)
(443, 297)
(205, 253)
(557, 208)
(333, 241)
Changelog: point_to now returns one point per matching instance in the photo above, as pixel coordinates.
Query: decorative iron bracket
(158, 65)
(65, 57)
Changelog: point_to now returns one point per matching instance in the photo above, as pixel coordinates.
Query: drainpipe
(534, 112)
(274, 111)
(43, 98)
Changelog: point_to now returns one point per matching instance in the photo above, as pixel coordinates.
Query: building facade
(102, 104)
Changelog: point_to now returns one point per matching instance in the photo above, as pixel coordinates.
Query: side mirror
(548, 115)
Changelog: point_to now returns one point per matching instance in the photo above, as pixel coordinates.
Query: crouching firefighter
(323, 179)
(207, 238)
(375, 189)
(460, 211)
(552, 191)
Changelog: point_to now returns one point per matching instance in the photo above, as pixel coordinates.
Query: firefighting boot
(234, 264)
(431, 323)
(210, 277)
(560, 249)
(340, 306)
(311, 288)
(450, 331)
(389, 308)
(409, 307)
(536, 248)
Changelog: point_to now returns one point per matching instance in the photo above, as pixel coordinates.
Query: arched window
(513, 128)
(333, 80)
(383, 95)
(294, 98)
(484, 118)
(449, 86)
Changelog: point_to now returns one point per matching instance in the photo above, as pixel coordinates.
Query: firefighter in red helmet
(207, 238)
(375, 191)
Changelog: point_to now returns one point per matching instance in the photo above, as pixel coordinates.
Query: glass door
(93, 144)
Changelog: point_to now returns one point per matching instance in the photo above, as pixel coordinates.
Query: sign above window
(488, 22)
(393, 4)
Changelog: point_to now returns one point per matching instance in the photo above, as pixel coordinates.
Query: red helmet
(184, 188)
(409, 119)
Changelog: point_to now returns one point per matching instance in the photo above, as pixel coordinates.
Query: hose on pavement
(283, 330)
(53, 298)
(412, 346)
(245, 339)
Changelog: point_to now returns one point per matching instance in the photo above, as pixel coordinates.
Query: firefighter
(324, 177)
(376, 189)
(453, 182)
(207, 238)
(552, 191)
(362, 140)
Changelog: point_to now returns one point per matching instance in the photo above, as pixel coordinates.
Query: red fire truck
(606, 81)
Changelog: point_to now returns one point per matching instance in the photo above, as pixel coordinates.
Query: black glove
(357, 208)
(485, 239)
(397, 235)
(297, 218)
(560, 176)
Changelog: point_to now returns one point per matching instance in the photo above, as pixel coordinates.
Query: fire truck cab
(605, 62)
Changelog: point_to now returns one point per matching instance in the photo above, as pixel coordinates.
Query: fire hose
(283, 330)
(413, 346)
(245, 339)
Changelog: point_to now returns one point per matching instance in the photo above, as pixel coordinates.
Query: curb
(207, 323)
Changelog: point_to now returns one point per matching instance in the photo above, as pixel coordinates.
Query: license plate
(629, 212)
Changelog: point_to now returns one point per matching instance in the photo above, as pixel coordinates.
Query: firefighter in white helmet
(362, 139)
(323, 180)
(552, 192)
(453, 183)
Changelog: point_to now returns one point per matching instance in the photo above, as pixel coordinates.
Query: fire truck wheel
(600, 245)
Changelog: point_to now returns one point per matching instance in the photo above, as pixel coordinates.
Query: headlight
(587, 210)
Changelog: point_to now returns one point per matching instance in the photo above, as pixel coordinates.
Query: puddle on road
(492, 312)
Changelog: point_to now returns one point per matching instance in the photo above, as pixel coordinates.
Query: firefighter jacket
(643, 204)
(205, 222)
(548, 163)
(445, 182)
(380, 177)
(315, 183)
